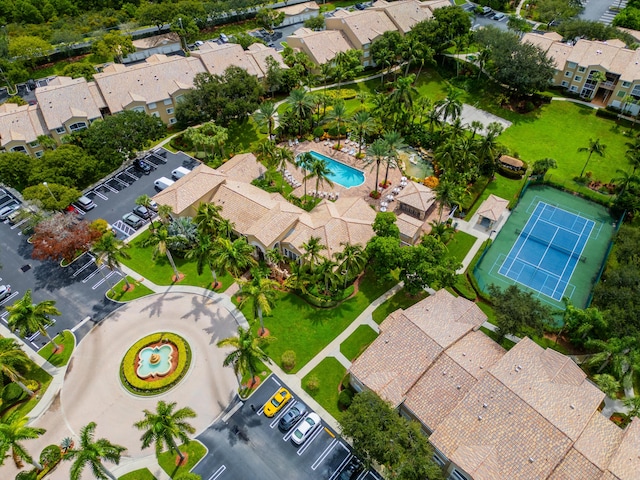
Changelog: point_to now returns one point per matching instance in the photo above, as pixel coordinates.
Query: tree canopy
(518, 312)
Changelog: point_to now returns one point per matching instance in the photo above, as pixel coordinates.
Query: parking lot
(79, 289)
(246, 444)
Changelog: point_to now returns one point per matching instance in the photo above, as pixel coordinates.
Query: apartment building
(217, 58)
(20, 127)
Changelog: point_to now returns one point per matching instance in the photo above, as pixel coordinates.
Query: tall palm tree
(623, 180)
(326, 273)
(312, 249)
(226, 228)
(377, 152)
(164, 426)
(160, 240)
(13, 431)
(351, 257)
(208, 218)
(261, 292)
(13, 361)
(203, 252)
(93, 453)
(27, 317)
(304, 162)
(633, 404)
(483, 57)
(608, 384)
(319, 170)
(109, 250)
(448, 193)
(300, 277)
(301, 105)
(403, 95)
(281, 157)
(338, 115)
(451, 106)
(475, 127)
(247, 352)
(395, 142)
(594, 147)
(233, 256)
(363, 124)
(266, 115)
(614, 352)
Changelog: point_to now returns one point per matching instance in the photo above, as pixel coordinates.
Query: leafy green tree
(384, 225)
(594, 147)
(517, 312)
(56, 197)
(164, 426)
(67, 165)
(582, 324)
(557, 10)
(518, 24)
(15, 169)
(233, 256)
(247, 352)
(608, 384)
(109, 250)
(347, 66)
(29, 48)
(427, 264)
(633, 404)
(274, 75)
(269, 18)
(93, 453)
(542, 166)
(13, 431)
(261, 293)
(27, 317)
(185, 27)
(114, 44)
(387, 51)
(618, 355)
(79, 69)
(315, 23)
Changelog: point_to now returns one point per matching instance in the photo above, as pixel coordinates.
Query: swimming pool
(341, 173)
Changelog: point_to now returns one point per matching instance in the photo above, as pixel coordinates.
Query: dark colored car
(8, 209)
(360, 6)
(293, 416)
(352, 470)
(142, 211)
(142, 166)
(133, 220)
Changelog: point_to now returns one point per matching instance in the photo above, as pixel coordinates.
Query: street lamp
(50, 192)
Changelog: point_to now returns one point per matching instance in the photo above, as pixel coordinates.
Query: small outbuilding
(511, 163)
(491, 211)
(299, 13)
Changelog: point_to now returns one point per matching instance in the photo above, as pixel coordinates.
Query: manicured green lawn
(160, 272)
(488, 311)
(460, 245)
(306, 329)
(35, 373)
(358, 341)
(120, 294)
(400, 300)
(65, 339)
(195, 451)
(142, 474)
(330, 373)
(431, 84)
(557, 131)
(244, 137)
(501, 187)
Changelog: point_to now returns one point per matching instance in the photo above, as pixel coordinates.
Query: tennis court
(553, 245)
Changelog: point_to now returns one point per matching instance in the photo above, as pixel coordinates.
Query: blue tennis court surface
(547, 250)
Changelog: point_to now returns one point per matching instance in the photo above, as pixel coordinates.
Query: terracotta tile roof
(64, 98)
(21, 123)
(435, 4)
(293, 10)
(243, 167)
(191, 189)
(625, 465)
(408, 226)
(260, 52)
(551, 43)
(155, 80)
(405, 13)
(276, 222)
(417, 195)
(217, 58)
(572, 464)
(476, 353)
(366, 25)
(599, 441)
(493, 207)
(322, 46)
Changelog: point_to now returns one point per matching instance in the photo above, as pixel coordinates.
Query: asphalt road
(245, 444)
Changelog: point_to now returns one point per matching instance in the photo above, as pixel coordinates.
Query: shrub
(346, 381)
(606, 114)
(288, 360)
(529, 106)
(318, 132)
(505, 172)
(345, 398)
(343, 93)
(11, 394)
(50, 455)
(431, 182)
(313, 384)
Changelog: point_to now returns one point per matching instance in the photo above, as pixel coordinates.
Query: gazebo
(491, 211)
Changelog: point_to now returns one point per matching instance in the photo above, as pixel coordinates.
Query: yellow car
(275, 403)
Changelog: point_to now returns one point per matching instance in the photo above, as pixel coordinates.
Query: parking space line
(327, 451)
(341, 466)
(259, 412)
(276, 419)
(92, 274)
(4, 316)
(287, 435)
(279, 384)
(121, 181)
(82, 268)
(98, 194)
(16, 225)
(218, 472)
(304, 447)
(6, 300)
(108, 187)
(104, 279)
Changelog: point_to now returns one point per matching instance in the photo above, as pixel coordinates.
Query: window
(456, 475)
(568, 74)
(438, 459)
(179, 98)
(572, 65)
(636, 91)
(172, 121)
(621, 94)
(61, 130)
(366, 54)
(19, 149)
(581, 69)
(565, 83)
(170, 111)
(152, 106)
(39, 153)
(577, 78)
(168, 101)
(34, 143)
(138, 109)
(574, 88)
(626, 84)
(77, 126)
(155, 114)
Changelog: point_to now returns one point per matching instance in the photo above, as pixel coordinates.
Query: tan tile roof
(299, 8)
(475, 353)
(155, 80)
(493, 207)
(610, 56)
(574, 463)
(64, 98)
(417, 195)
(435, 4)
(191, 189)
(243, 167)
(552, 384)
(21, 123)
(217, 58)
(599, 440)
(512, 161)
(156, 41)
(260, 52)
(276, 222)
(97, 95)
(322, 46)
(625, 465)
(366, 25)
(408, 226)
(405, 13)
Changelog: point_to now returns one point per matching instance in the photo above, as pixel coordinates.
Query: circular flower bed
(155, 385)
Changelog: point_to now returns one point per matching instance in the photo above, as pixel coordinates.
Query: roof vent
(464, 354)
(573, 407)
(479, 417)
(459, 387)
(444, 372)
(530, 459)
(484, 405)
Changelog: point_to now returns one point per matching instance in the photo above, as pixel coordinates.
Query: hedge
(472, 277)
(321, 302)
(343, 93)
(464, 288)
(136, 385)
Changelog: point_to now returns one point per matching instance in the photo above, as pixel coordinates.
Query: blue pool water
(341, 173)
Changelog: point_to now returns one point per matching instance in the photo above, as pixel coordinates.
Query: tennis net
(554, 246)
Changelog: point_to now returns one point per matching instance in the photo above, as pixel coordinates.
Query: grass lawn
(195, 451)
(360, 339)
(119, 294)
(142, 474)
(460, 245)
(500, 186)
(306, 329)
(60, 359)
(400, 300)
(160, 272)
(263, 372)
(506, 343)
(330, 373)
(544, 133)
(244, 137)
(488, 311)
(35, 373)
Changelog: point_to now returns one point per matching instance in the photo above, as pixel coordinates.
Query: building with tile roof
(410, 228)
(20, 127)
(416, 200)
(259, 53)
(217, 58)
(528, 413)
(298, 13)
(405, 13)
(320, 46)
(490, 211)
(164, 44)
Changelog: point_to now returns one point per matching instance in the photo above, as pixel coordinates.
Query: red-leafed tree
(62, 236)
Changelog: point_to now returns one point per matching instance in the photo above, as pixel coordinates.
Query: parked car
(6, 198)
(85, 204)
(142, 211)
(293, 416)
(5, 291)
(276, 402)
(499, 16)
(133, 220)
(360, 6)
(486, 10)
(352, 470)
(224, 38)
(162, 183)
(142, 166)
(8, 209)
(178, 173)
(306, 428)
(15, 215)
(153, 206)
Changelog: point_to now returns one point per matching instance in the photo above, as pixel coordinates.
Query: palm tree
(351, 257)
(475, 127)
(319, 170)
(13, 430)
(608, 384)
(542, 166)
(13, 360)
(164, 426)
(403, 95)
(164, 213)
(208, 219)
(203, 252)
(633, 404)
(233, 256)
(312, 250)
(266, 115)
(448, 193)
(93, 453)
(262, 294)
(301, 105)
(304, 162)
(247, 352)
(338, 115)
(616, 352)
(27, 317)
(160, 240)
(451, 106)
(376, 152)
(325, 272)
(300, 277)
(594, 147)
(395, 142)
(483, 57)
(281, 156)
(624, 179)
(109, 250)
(226, 228)
(363, 124)
(47, 142)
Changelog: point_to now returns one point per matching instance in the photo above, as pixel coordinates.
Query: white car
(306, 427)
(5, 291)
